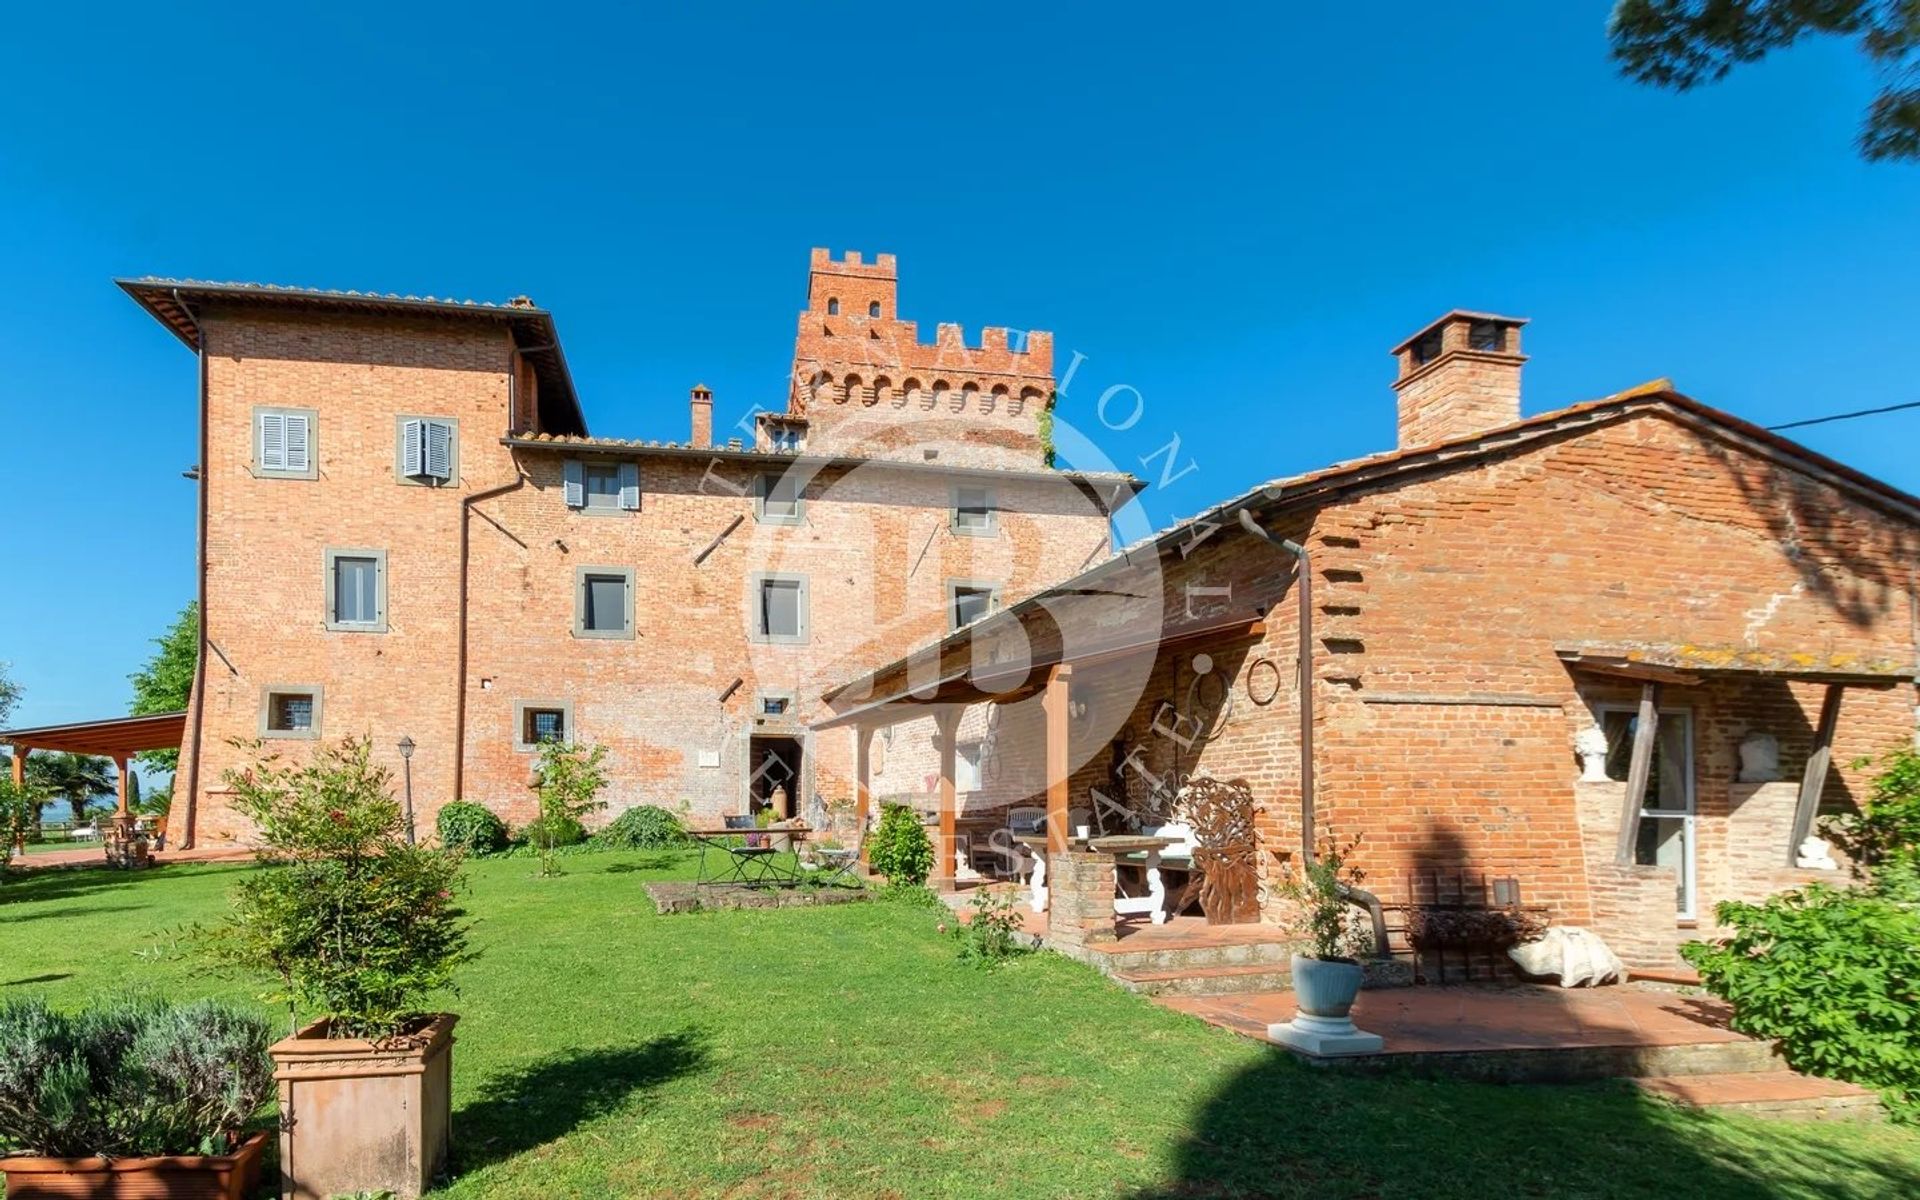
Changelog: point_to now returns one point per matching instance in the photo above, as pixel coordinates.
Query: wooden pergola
(972, 666)
(117, 738)
(1656, 666)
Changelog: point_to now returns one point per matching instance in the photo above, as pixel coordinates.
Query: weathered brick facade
(1446, 579)
(481, 575)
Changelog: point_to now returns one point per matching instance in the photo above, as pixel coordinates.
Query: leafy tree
(165, 684)
(75, 778)
(571, 778)
(9, 693)
(1682, 44)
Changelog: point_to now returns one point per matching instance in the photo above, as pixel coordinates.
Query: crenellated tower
(863, 382)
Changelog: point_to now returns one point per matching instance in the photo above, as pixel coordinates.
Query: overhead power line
(1846, 416)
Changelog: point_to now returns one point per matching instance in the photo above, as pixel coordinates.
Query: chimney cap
(702, 392)
(1458, 314)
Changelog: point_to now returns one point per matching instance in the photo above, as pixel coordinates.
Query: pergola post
(946, 726)
(1645, 736)
(1814, 781)
(862, 784)
(122, 815)
(20, 782)
(1054, 707)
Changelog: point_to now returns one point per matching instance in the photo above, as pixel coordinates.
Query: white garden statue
(1576, 956)
(1815, 855)
(1591, 745)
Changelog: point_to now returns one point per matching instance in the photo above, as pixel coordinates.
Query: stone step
(1781, 1095)
(1113, 958)
(1207, 981)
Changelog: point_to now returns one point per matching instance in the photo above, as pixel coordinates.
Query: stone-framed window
(968, 600)
(356, 586)
(601, 487)
(779, 498)
(537, 722)
(286, 443)
(290, 710)
(777, 605)
(976, 511)
(603, 602)
(426, 450)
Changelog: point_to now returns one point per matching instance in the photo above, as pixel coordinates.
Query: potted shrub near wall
(1326, 980)
(132, 1099)
(359, 927)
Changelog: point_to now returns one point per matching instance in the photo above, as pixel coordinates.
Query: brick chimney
(702, 406)
(1459, 376)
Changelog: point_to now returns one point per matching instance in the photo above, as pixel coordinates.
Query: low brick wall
(1080, 907)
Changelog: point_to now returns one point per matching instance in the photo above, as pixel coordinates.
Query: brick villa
(1619, 653)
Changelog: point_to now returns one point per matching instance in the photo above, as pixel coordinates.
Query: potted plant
(354, 923)
(1326, 980)
(132, 1098)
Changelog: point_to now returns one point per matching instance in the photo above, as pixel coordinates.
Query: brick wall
(865, 381)
(1445, 721)
(876, 545)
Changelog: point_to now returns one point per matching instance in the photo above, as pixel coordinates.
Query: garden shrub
(1834, 973)
(645, 827)
(991, 934)
(898, 848)
(471, 828)
(353, 920)
(555, 833)
(130, 1077)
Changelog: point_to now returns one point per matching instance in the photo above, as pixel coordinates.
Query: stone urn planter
(364, 1116)
(173, 1177)
(1325, 987)
(1322, 1025)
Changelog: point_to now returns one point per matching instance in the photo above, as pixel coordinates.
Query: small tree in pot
(1326, 981)
(359, 926)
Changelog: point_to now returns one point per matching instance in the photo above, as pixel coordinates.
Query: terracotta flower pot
(359, 1115)
(174, 1177)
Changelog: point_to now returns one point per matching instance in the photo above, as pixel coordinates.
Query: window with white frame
(426, 449)
(601, 487)
(283, 443)
(974, 511)
(779, 608)
(357, 590)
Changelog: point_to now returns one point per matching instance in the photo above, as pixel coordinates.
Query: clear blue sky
(1236, 216)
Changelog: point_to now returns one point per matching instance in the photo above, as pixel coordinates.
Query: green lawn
(842, 1052)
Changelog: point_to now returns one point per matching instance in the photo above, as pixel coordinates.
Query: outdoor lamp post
(406, 767)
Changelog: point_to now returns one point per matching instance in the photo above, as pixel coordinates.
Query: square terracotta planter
(175, 1177)
(358, 1115)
